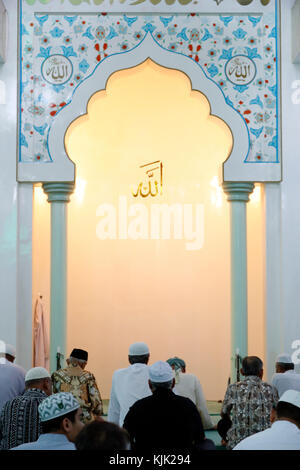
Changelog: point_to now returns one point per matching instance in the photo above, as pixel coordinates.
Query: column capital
(58, 192)
(238, 191)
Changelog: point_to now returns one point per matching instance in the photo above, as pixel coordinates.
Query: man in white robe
(188, 385)
(12, 376)
(129, 384)
(285, 377)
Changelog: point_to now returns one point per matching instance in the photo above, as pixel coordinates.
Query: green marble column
(58, 196)
(238, 196)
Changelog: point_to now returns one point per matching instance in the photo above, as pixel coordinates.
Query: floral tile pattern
(84, 41)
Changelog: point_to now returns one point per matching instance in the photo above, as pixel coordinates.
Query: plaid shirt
(250, 403)
(82, 384)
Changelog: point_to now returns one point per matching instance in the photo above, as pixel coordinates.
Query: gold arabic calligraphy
(58, 72)
(154, 180)
(238, 69)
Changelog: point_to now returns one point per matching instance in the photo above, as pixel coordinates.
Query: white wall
(290, 188)
(8, 185)
(15, 206)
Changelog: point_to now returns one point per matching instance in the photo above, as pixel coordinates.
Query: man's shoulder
(143, 402)
(13, 369)
(88, 375)
(276, 377)
(121, 372)
(20, 369)
(59, 373)
(267, 385)
(249, 383)
(184, 402)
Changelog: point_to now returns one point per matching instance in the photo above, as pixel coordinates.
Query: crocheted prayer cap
(57, 405)
(138, 349)
(160, 372)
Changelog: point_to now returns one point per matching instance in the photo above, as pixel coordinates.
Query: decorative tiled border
(211, 41)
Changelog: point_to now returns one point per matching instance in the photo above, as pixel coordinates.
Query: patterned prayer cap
(176, 362)
(57, 405)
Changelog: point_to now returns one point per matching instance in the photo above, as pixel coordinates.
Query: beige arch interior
(158, 291)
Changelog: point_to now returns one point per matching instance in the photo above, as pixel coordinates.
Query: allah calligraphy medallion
(57, 69)
(240, 70)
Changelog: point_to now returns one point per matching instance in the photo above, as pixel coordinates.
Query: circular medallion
(240, 70)
(57, 69)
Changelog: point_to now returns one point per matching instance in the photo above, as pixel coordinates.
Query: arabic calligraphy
(240, 70)
(151, 185)
(57, 69)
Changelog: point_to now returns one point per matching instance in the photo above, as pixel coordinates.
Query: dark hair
(223, 427)
(287, 410)
(103, 436)
(54, 425)
(31, 383)
(252, 365)
(9, 357)
(286, 366)
(143, 359)
(166, 385)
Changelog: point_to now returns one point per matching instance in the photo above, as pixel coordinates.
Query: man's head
(288, 408)
(38, 377)
(61, 414)
(161, 376)
(252, 365)
(78, 357)
(9, 352)
(102, 436)
(138, 353)
(283, 363)
(176, 363)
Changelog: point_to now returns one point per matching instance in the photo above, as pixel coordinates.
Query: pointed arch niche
(126, 282)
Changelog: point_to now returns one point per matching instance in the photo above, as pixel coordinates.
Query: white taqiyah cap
(37, 373)
(138, 349)
(160, 372)
(56, 405)
(9, 349)
(292, 397)
(284, 359)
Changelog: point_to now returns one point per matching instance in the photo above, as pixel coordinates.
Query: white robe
(187, 385)
(12, 381)
(128, 386)
(41, 339)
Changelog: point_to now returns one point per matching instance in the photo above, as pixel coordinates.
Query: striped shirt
(19, 419)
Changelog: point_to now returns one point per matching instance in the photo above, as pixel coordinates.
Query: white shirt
(187, 385)
(12, 381)
(128, 386)
(288, 380)
(283, 435)
(51, 441)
